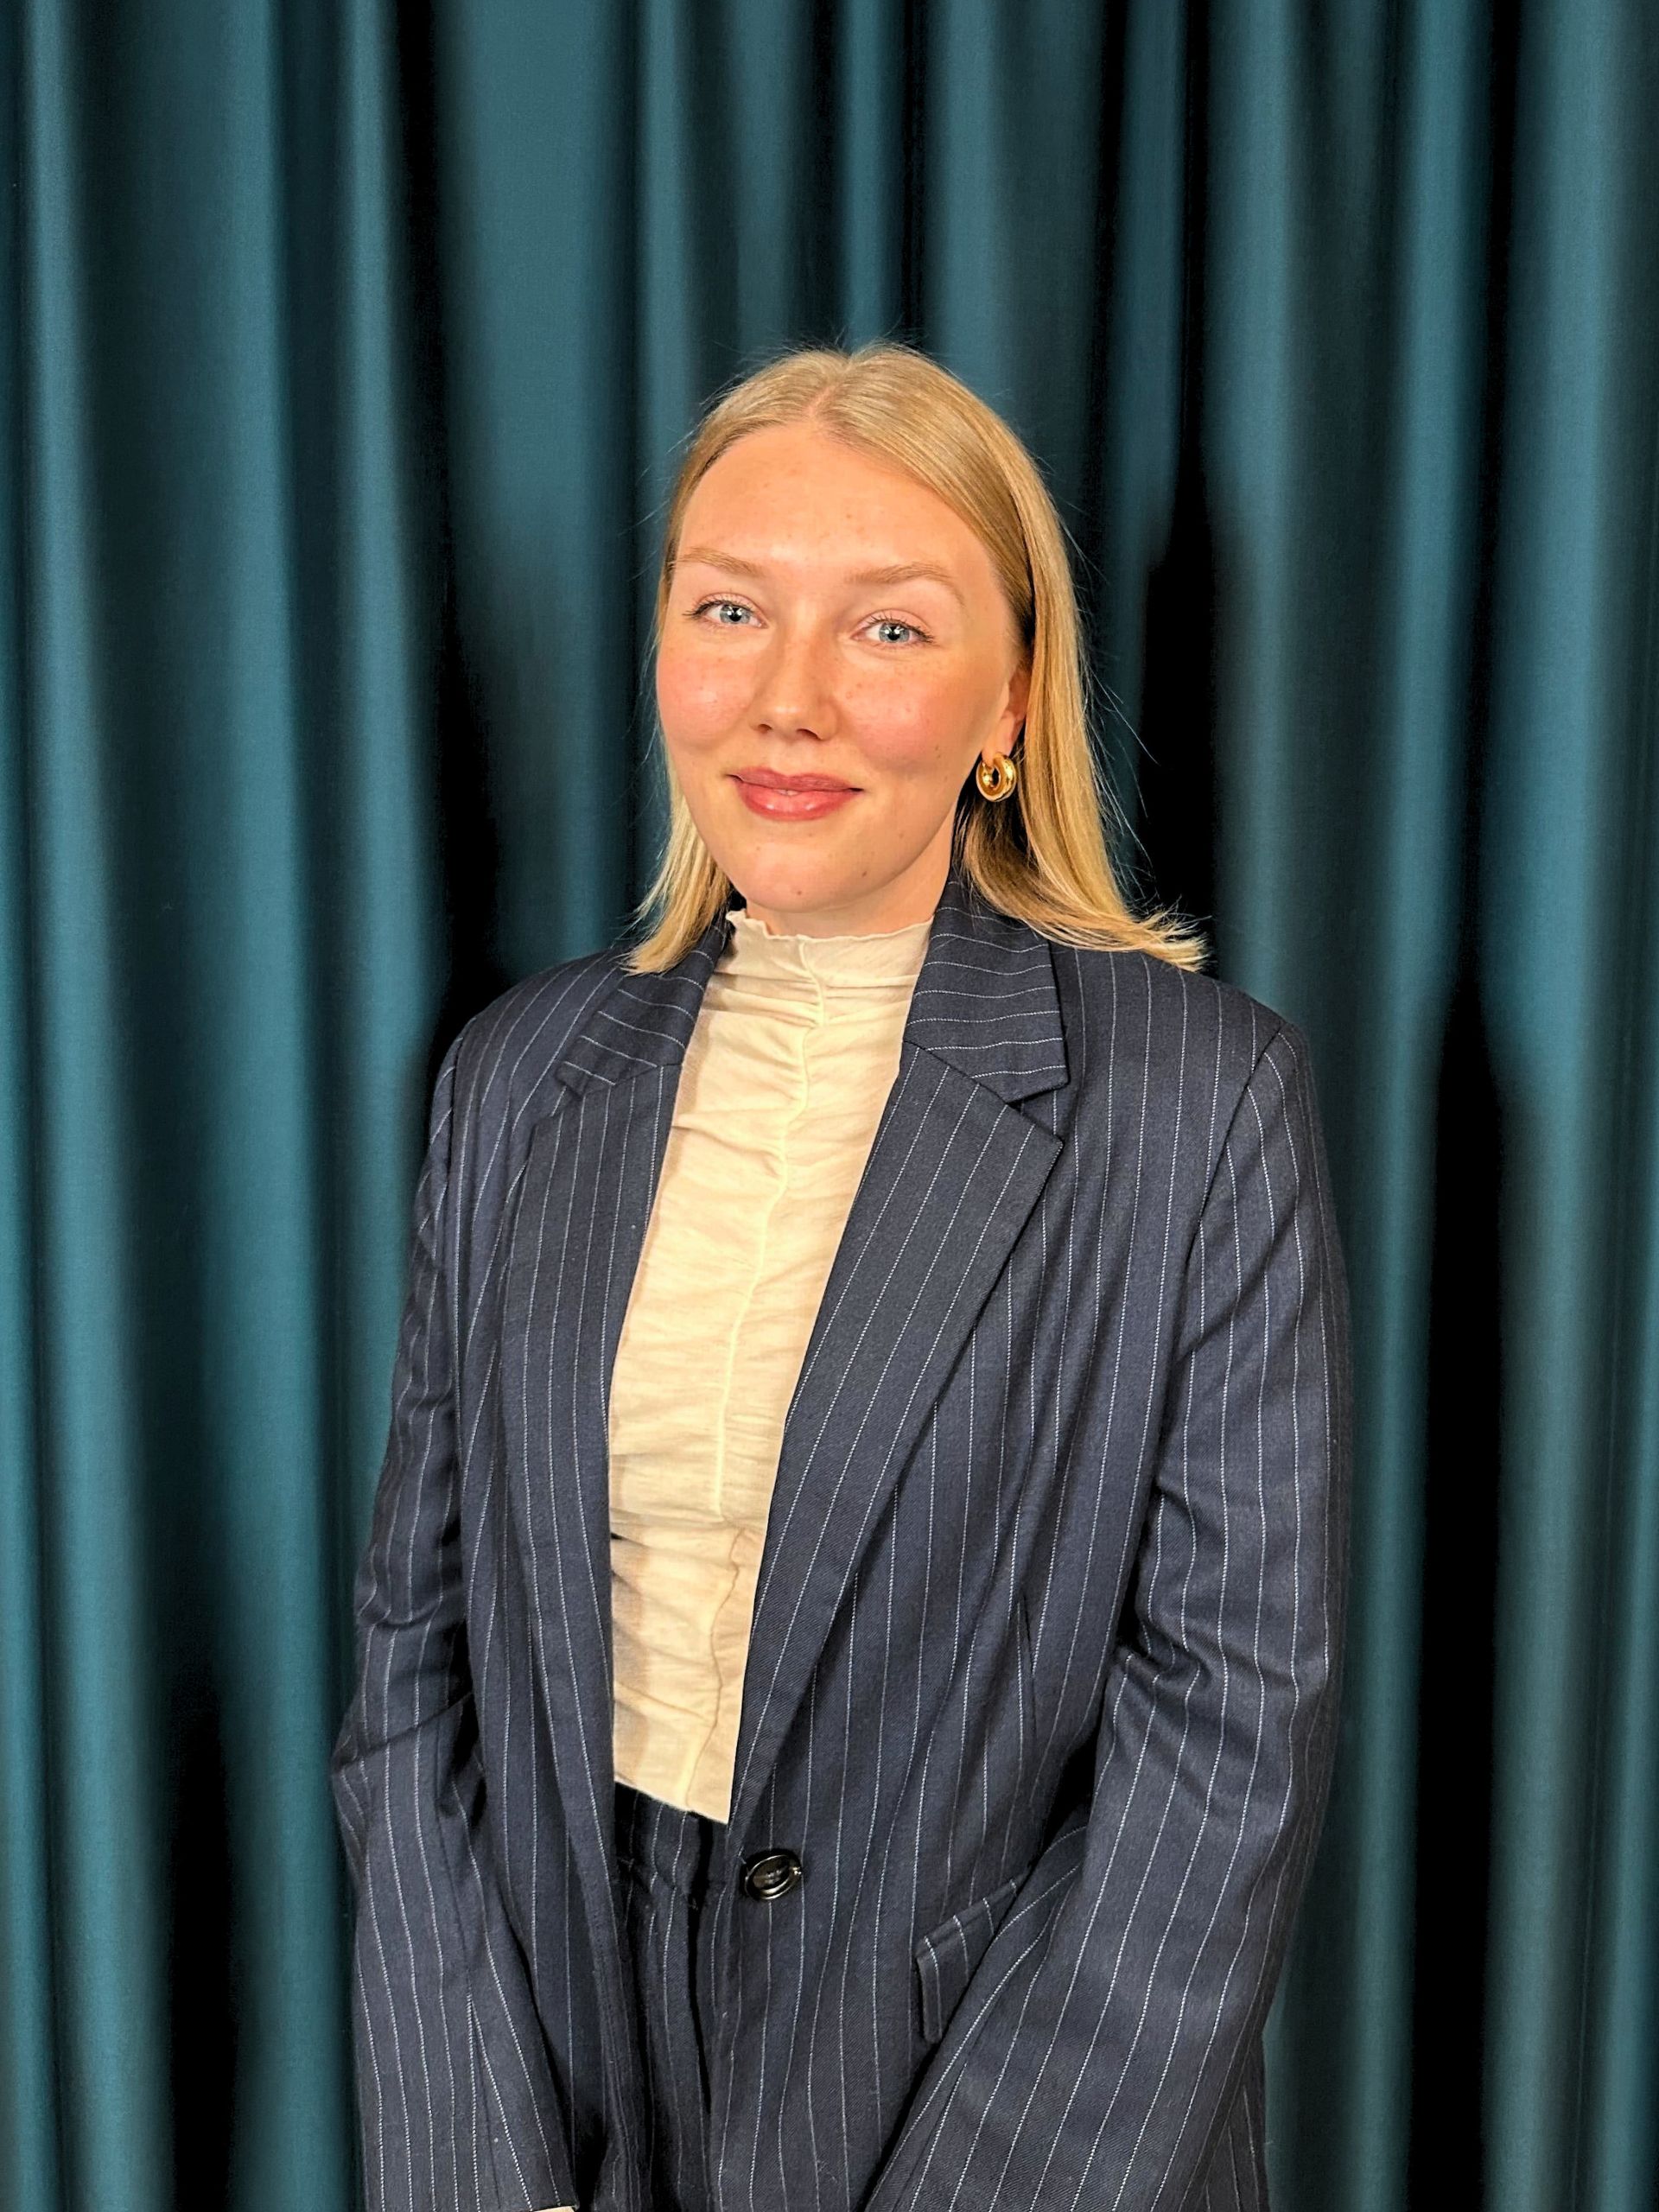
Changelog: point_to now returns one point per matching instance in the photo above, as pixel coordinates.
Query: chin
(805, 881)
(790, 882)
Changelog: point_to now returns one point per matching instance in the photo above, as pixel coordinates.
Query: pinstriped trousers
(664, 1854)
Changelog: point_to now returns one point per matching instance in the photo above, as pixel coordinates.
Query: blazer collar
(985, 1002)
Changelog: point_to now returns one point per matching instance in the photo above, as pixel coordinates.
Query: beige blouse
(794, 1050)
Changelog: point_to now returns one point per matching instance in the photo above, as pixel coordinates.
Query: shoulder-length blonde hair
(1041, 853)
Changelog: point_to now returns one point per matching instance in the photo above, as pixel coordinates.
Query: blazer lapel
(954, 1170)
(953, 1173)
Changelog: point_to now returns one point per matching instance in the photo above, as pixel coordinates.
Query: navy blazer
(1043, 1675)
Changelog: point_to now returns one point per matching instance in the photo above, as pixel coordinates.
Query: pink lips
(765, 792)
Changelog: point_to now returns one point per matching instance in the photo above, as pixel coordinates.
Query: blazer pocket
(947, 1955)
(1028, 1691)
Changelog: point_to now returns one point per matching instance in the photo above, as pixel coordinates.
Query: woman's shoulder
(506, 1053)
(1184, 1027)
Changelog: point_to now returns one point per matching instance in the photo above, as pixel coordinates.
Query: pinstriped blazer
(1043, 1674)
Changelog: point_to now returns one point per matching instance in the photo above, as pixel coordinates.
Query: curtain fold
(225, 912)
(346, 358)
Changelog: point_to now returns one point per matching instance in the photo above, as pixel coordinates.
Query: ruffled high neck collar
(874, 957)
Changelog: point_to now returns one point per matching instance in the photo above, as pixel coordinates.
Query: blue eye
(878, 621)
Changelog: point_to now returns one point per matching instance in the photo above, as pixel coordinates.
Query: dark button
(772, 1874)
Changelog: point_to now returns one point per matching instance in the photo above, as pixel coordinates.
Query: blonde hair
(1041, 853)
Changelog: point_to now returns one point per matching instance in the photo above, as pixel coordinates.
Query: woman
(849, 1638)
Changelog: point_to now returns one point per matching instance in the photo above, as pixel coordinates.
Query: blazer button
(772, 1874)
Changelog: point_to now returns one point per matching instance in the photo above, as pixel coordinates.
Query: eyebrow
(895, 572)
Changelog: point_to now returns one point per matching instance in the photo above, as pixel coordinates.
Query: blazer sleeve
(455, 2090)
(1094, 2056)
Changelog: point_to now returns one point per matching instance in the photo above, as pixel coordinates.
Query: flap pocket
(947, 1955)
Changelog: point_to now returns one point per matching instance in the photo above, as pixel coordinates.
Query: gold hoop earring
(997, 777)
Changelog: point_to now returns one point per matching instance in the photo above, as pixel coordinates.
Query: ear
(1019, 694)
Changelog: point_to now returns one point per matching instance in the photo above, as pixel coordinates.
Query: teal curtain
(345, 355)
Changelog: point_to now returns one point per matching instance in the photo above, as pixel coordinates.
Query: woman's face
(787, 651)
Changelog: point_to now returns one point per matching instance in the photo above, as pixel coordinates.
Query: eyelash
(898, 621)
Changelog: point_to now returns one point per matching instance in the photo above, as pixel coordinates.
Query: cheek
(698, 695)
(914, 719)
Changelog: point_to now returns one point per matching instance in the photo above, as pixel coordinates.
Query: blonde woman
(850, 1633)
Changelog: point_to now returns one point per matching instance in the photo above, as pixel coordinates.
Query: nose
(795, 687)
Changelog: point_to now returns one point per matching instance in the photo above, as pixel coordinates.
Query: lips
(779, 801)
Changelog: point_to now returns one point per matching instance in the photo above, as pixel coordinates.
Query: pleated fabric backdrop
(345, 352)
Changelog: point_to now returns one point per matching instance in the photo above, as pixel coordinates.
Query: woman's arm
(454, 2090)
(1092, 2061)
